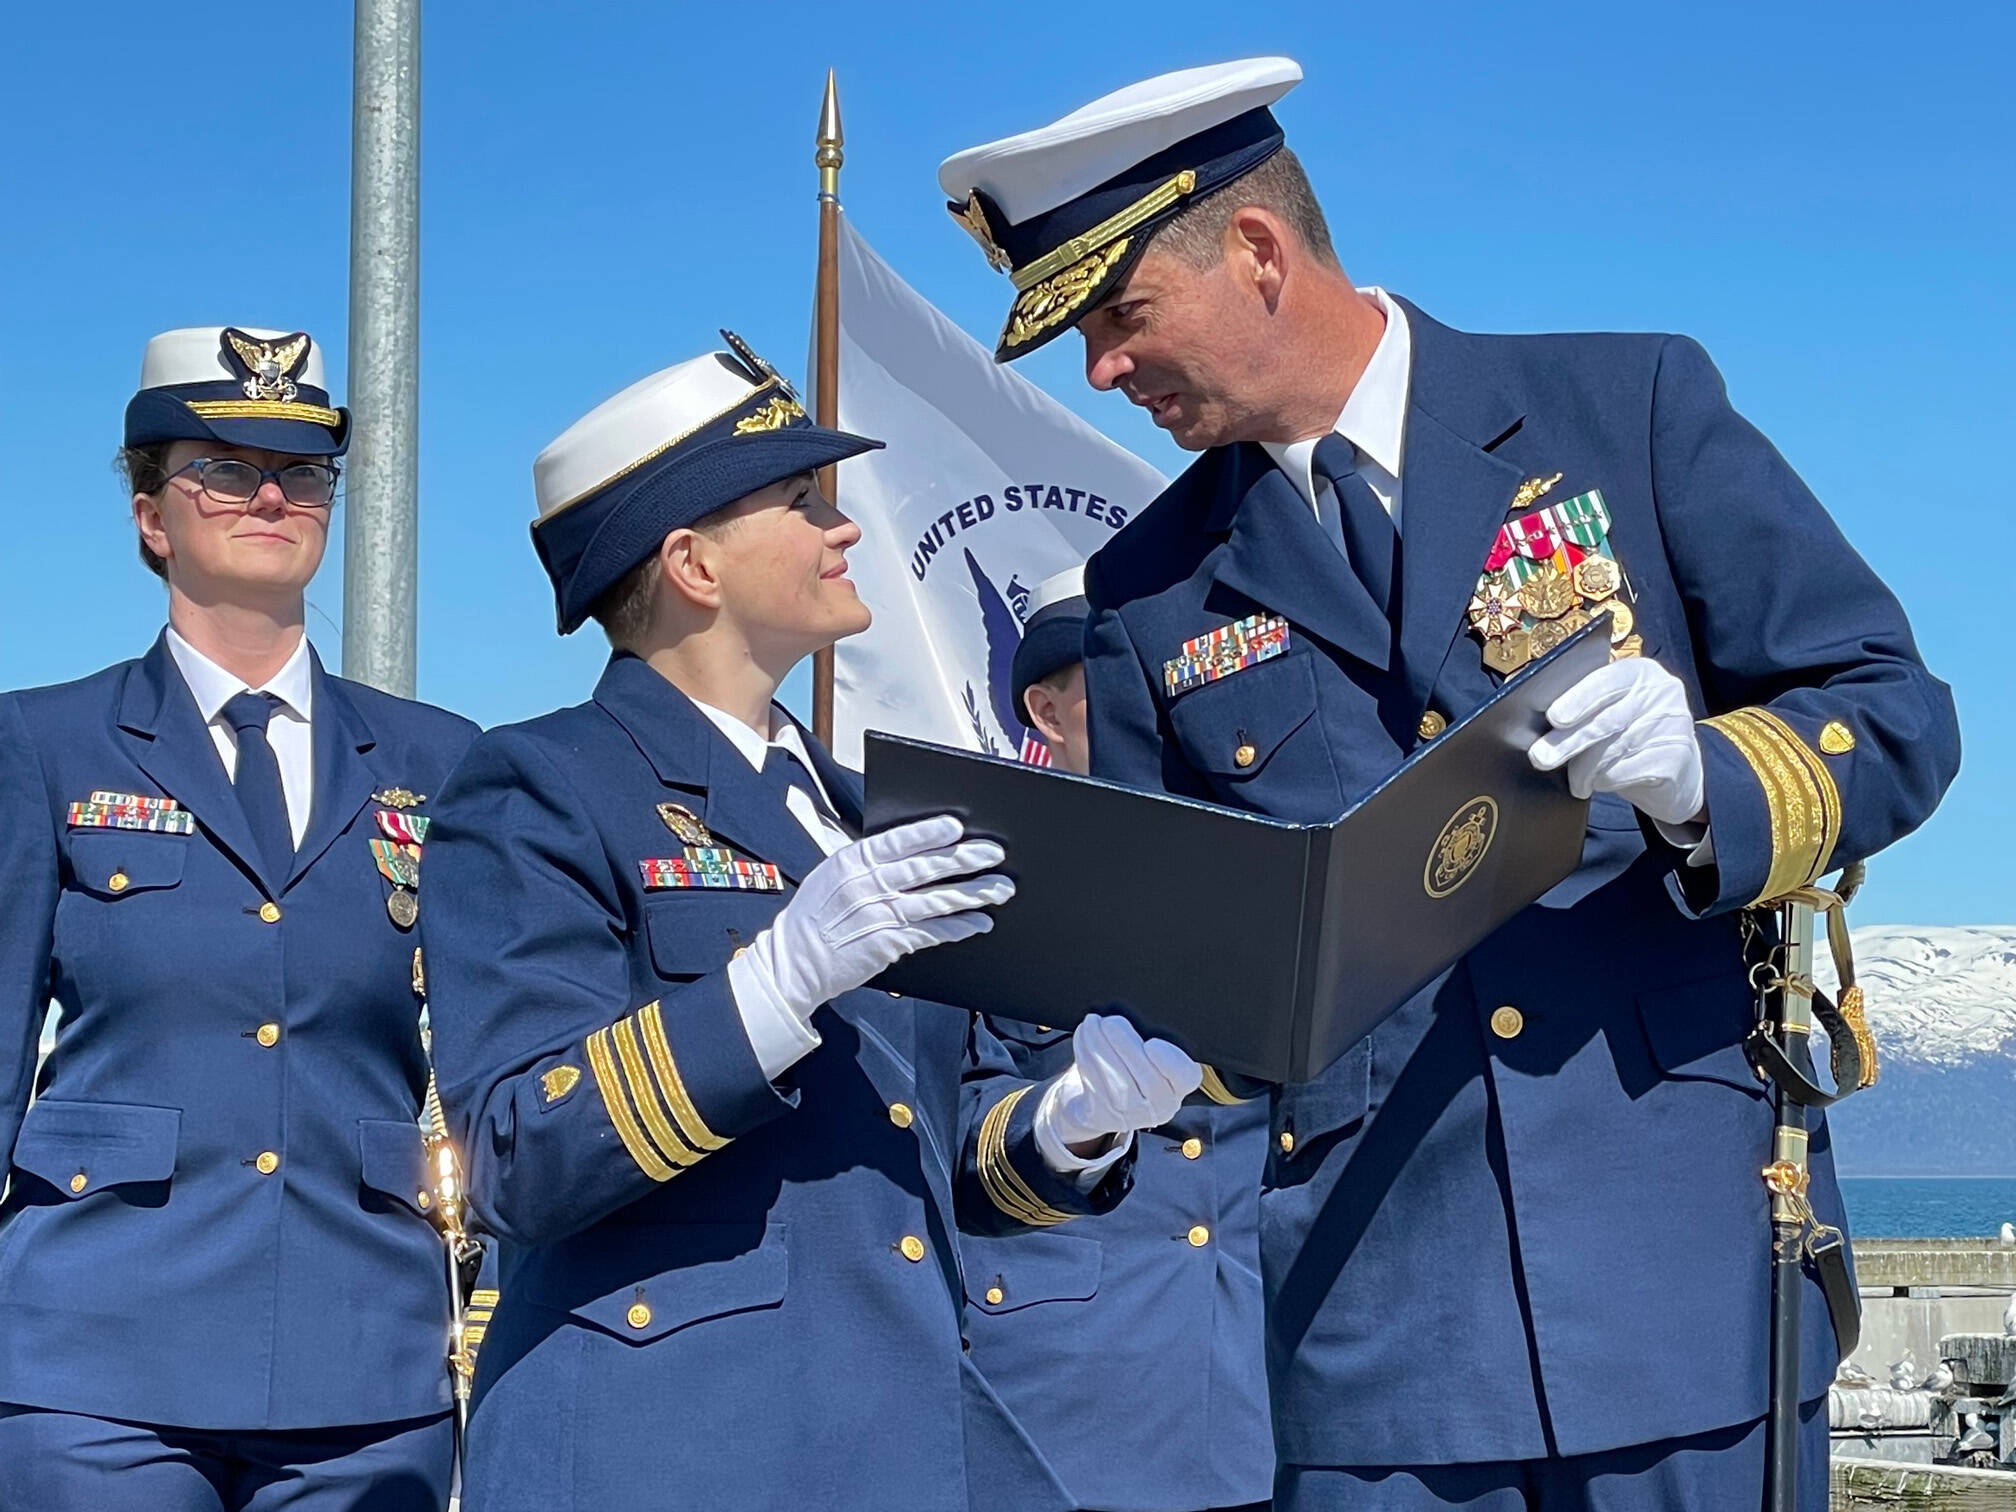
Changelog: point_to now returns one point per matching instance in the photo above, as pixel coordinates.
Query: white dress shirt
(291, 734)
(778, 1036)
(1374, 421)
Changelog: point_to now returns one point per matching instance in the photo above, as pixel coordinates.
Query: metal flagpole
(826, 361)
(382, 472)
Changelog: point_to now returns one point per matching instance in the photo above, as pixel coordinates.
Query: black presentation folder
(1259, 946)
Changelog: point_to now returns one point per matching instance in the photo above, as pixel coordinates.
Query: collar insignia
(974, 218)
(268, 368)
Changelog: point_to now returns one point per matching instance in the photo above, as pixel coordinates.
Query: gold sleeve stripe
(609, 1082)
(485, 1296)
(644, 1095)
(1800, 796)
(1214, 1088)
(651, 1024)
(1003, 1184)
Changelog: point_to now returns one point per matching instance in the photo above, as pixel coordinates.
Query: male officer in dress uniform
(220, 1287)
(1542, 1173)
(1156, 1304)
(722, 1171)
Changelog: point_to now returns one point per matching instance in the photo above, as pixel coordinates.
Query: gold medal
(1622, 620)
(1548, 594)
(1547, 635)
(1597, 577)
(404, 907)
(1506, 654)
(1631, 645)
(1495, 607)
(1573, 620)
(684, 823)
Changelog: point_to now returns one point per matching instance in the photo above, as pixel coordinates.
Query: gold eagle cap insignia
(973, 217)
(775, 415)
(270, 366)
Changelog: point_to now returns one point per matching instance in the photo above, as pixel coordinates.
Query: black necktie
(258, 781)
(1370, 541)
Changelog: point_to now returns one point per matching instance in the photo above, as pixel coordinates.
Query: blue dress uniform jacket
(1546, 1163)
(215, 1219)
(1153, 1308)
(717, 1292)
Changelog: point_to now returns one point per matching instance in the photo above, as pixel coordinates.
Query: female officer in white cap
(721, 1170)
(219, 1284)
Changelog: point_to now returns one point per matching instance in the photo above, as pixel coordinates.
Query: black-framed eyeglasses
(312, 485)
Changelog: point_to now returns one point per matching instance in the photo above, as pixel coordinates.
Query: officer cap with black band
(1067, 209)
(240, 386)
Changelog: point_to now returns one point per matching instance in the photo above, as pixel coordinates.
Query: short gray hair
(1197, 235)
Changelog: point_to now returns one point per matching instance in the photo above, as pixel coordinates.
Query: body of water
(1928, 1207)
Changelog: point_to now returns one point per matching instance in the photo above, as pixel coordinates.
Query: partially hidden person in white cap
(1164, 1288)
(1542, 1172)
(220, 1284)
(724, 1173)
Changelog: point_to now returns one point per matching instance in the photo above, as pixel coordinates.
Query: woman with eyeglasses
(220, 1285)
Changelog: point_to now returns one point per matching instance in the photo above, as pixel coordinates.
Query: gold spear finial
(830, 142)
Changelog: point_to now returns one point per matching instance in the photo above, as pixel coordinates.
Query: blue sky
(1821, 195)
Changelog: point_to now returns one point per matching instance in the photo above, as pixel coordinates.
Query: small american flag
(1035, 750)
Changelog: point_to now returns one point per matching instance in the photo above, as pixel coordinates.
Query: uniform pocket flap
(78, 1147)
(393, 1160)
(1696, 1029)
(119, 863)
(1335, 1100)
(1232, 726)
(720, 1269)
(695, 930)
(1024, 1269)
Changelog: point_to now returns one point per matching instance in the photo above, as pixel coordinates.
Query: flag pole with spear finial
(829, 155)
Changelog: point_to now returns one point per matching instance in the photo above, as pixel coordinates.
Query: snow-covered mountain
(1942, 1002)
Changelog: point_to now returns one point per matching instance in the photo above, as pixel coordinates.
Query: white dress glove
(1116, 1083)
(859, 911)
(1626, 729)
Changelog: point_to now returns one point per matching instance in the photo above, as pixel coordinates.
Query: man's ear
(1041, 701)
(691, 563)
(1256, 246)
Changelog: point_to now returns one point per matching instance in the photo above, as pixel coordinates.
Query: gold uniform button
(1507, 1022)
(740, 951)
(995, 1296)
(912, 1247)
(79, 1182)
(268, 1035)
(1432, 724)
(1287, 1141)
(1244, 757)
(119, 882)
(423, 1200)
(639, 1315)
(269, 913)
(1199, 1237)
(900, 1115)
(267, 1163)
(1192, 1148)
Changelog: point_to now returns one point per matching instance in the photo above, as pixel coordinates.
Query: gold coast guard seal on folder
(1259, 946)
